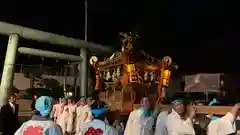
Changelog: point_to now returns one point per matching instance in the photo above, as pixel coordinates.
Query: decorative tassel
(108, 77)
(146, 76)
(118, 72)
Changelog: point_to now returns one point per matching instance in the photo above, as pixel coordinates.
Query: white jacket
(222, 126)
(177, 126)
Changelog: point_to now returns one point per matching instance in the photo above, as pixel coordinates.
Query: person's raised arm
(226, 124)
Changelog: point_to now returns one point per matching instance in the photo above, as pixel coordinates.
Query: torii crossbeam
(16, 31)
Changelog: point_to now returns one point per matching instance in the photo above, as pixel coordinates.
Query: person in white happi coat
(87, 110)
(161, 128)
(224, 125)
(62, 120)
(40, 124)
(72, 108)
(97, 126)
(140, 121)
(57, 110)
(80, 114)
(119, 126)
(178, 123)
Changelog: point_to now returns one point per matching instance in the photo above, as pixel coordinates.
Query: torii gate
(15, 32)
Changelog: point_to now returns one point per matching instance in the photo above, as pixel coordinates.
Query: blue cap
(44, 105)
(98, 109)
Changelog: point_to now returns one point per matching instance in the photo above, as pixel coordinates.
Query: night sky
(200, 35)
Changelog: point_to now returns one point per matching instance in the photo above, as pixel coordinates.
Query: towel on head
(44, 105)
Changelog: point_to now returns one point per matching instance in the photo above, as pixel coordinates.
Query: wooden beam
(218, 110)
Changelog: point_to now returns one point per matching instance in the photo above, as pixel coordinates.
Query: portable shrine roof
(139, 56)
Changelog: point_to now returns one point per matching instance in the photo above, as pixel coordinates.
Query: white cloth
(120, 128)
(132, 123)
(42, 127)
(177, 126)
(238, 132)
(145, 126)
(80, 118)
(63, 119)
(84, 115)
(12, 106)
(87, 113)
(161, 128)
(98, 125)
(71, 118)
(56, 111)
(222, 126)
(138, 124)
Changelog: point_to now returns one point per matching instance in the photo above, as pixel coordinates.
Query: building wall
(22, 83)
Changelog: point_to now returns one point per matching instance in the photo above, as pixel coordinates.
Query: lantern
(130, 68)
(132, 73)
(93, 60)
(166, 77)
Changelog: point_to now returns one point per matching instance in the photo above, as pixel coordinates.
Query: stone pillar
(8, 69)
(84, 73)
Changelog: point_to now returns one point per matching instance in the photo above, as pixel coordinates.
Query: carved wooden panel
(118, 105)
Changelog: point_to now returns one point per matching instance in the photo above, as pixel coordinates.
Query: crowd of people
(88, 117)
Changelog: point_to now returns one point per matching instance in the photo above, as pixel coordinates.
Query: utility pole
(84, 63)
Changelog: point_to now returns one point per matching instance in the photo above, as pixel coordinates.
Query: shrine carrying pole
(15, 32)
(217, 110)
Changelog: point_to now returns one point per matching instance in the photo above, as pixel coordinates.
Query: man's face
(180, 108)
(64, 102)
(13, 99)
(35, 97)
(146, 103)
(69, 101)
(60, 101)
(89, 101)
(82, 102)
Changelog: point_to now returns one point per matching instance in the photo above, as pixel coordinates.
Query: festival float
(128, 75)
